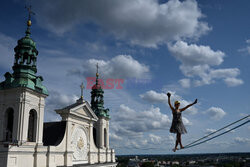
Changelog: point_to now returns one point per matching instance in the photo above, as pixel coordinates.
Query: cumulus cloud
(141, 22)
(121, 66)
(192, 55)
(158, 140)
(186, 121)
(207, 131)
(227, 129)
(146, 142)
(242, 140)
(196, 62)
(185, 83)
(233, 81)
(155, 97)
(216, 113)
(247, 48)
(57, 100)
(155, 139)
(114, 137)
(129, 122)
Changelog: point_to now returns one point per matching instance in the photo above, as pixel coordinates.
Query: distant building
(175, 163)
(134, 162)
(191, 162)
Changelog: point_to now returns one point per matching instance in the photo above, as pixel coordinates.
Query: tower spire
(97, 68)
(30, 12)
(97, 74)
(97, 101)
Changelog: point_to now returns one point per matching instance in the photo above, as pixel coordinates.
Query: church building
(81, 138)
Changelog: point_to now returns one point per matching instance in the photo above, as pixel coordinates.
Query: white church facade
(81, 138)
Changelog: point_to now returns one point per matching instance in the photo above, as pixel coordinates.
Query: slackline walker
(177, 125)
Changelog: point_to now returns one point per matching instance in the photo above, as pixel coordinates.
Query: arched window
(9, 119)
(32, 126)
(105, 137)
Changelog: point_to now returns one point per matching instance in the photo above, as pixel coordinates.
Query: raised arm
(183, 109)
(169, 103)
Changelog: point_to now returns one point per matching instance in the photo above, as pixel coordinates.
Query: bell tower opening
(94, 135)
(105, 137)
(32, 126)
(9, 117)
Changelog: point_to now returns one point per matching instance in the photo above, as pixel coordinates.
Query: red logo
(108, 84)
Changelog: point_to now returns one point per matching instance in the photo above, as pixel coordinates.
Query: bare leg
(180, 142)
(176, 143)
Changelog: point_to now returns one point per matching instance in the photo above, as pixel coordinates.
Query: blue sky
(194, 49)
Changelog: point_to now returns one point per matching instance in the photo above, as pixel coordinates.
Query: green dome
(26, 41)
(26, 45)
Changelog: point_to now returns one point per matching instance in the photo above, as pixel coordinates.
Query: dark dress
(177, 124)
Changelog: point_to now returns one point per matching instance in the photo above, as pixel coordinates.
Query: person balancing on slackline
(177, 124)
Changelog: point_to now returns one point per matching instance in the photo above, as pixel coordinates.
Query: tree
(148, 164)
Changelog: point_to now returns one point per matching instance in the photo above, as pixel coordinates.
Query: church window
(32, 126)
(9, 117)
(94, 135)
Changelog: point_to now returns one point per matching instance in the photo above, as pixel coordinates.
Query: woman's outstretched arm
(169, 103)
(183, 109)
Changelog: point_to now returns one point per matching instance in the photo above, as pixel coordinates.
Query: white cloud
(247, 48)
(186, 122)
(171, 139)
(155, 139)
(196, 62)
(242, 140)
(121, 66)
(216, 113)
(154, 97)
(233, 81)
(232, 131)
(57, 100)
(207, 131)
(185, 83)
(141, 22)
(114, 137)
(192, 55)
(129, 122)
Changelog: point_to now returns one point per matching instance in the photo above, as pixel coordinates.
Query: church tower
(22, 96)
(101, 127)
